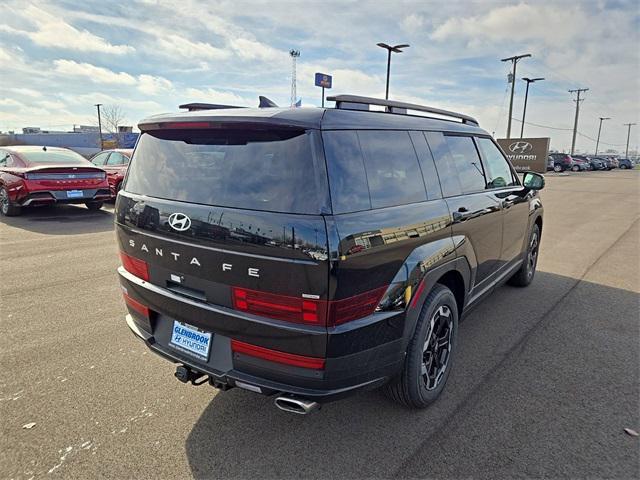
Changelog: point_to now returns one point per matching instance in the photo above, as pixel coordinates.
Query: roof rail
(192, 107)
(356, 102)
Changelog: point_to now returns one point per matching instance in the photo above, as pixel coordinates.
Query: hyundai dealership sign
(526, 154)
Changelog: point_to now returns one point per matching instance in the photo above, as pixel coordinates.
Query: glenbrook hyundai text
(312, 253)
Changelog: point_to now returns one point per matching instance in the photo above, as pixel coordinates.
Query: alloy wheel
(532, 255)
(4, 201)
(437, 347)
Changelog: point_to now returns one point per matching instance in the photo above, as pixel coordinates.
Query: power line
(568, 130)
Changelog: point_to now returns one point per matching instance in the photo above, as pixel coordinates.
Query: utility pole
(526, 95)
(98, 105)
(395, 49)
(599, 130)
(294, 89)
(577, 91)
(629, 125)
(514, 60)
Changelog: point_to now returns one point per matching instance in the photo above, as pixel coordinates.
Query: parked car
(426, 216)
(609, 163)
(581, 164)
(625, 163)
(592, 163)
(550, 163)
(563, 161)
(612, 162)
(40, 175)
(115, 163)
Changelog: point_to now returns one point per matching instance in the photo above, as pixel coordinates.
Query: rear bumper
(60, 196)
(341, 376)
(264, 386)
(40, 197)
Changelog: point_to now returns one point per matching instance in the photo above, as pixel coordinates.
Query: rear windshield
(258, 170)
(53, 157)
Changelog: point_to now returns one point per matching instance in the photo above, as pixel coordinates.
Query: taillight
(137, 306)
(280, 307)
(277, 356)
(135, 266)
(307, 311)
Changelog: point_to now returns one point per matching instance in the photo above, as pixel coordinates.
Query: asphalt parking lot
(545, 382)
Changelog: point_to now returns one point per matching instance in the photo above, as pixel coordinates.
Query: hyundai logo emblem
(520, 147)
(179, 222)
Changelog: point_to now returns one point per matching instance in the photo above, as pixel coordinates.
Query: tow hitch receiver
(185, 374)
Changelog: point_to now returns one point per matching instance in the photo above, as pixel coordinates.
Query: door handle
(508, 203)
(461, 214)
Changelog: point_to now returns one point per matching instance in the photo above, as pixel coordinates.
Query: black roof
(316, 118)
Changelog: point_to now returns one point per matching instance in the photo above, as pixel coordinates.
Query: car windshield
(53, 157)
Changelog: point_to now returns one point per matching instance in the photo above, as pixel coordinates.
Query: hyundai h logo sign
(520, 147)
(526, 154)
(179, 222)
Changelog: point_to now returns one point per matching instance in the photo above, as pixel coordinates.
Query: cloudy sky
(59, 58)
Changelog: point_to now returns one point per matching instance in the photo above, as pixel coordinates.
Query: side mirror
(533, 181)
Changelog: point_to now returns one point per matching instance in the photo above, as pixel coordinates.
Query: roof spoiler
(192, 107)
(356, 102)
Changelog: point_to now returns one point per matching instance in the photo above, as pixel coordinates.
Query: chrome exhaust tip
(296, 405)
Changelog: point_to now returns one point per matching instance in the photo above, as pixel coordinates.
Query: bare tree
(112, 118)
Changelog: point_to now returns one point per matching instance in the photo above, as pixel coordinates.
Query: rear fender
(419, 274)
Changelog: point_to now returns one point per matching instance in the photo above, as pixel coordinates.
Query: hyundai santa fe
(312, 253)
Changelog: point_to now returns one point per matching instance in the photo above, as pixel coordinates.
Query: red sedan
(31, 175)
(115, 163)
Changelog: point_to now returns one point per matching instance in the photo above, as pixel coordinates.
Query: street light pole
(98, 105)
(395, 49)
(629, 125)
(526, 96)
(599, 130)
(514, 61)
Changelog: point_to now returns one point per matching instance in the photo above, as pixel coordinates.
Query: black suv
(312, 253)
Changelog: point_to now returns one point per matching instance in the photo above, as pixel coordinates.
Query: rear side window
(347, 177)
(447, 171)
(498, 172)
(116, 159)
(260, 170)
(393, 172)
(372, 169)
(100, 158)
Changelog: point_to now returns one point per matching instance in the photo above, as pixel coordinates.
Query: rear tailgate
(243, 273)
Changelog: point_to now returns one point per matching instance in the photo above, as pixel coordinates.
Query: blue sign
(323, 80)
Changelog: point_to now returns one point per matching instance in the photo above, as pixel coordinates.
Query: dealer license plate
(191, 340)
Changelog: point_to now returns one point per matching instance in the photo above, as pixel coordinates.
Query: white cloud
(153, 85)
(52, 31)
(93, 73)
(412, 22)
(26, 92)
(179, 47)
(550, 24)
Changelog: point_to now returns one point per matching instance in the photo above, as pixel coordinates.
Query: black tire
(557, 168)
(414, 387)
(6, 207)
(524, 276)
(94, 206)
(623, 167)
(575, 168)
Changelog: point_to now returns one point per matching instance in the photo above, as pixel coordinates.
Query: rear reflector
(135, 266)
(277, 356)
(306, 311)
(137, 306)
(416, 296)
